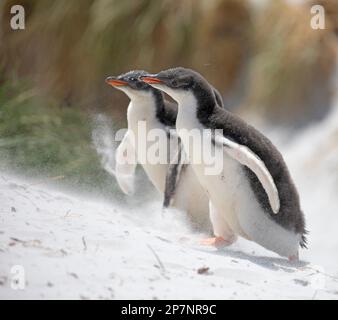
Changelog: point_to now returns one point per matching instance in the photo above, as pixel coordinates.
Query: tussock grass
(40, 138)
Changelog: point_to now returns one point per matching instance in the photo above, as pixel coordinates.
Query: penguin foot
(218, 242)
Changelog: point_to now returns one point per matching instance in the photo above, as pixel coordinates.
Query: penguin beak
(151, 78)
(115, 82)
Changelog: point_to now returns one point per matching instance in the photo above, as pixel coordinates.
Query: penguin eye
(174, 83)
(132, 79)
(139, 84)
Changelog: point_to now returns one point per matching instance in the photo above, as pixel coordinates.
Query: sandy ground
(58, 245)
(78, 249)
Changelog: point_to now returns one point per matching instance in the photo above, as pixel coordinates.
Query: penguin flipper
(125, 166)
(248, 158)
(173, 176)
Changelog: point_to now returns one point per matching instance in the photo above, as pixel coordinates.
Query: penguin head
(131, 84)
(177, 82)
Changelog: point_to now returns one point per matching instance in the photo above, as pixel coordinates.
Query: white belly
(157, 174)
(155, 170)
(224, 191)
(191, 197)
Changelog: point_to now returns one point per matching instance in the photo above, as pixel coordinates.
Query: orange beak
(151, 79)
(116, 83)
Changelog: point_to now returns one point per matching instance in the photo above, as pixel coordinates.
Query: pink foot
(218, 242)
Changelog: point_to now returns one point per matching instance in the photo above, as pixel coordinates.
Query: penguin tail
(303, 241)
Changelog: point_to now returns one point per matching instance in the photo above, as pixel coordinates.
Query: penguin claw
(218, 242)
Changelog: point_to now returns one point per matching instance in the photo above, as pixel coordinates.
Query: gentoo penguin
(253, 196)
(175, 179)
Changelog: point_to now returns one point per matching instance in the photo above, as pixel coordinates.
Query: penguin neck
(206, 102)
(145, 108)
(159, 106)
(195, 107)
(187, 112)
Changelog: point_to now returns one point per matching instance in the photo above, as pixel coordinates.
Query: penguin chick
(175, 179)
(245, 202)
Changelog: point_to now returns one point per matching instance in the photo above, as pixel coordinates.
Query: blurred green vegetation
(69, 47)
(266, 59)
(40, 138)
